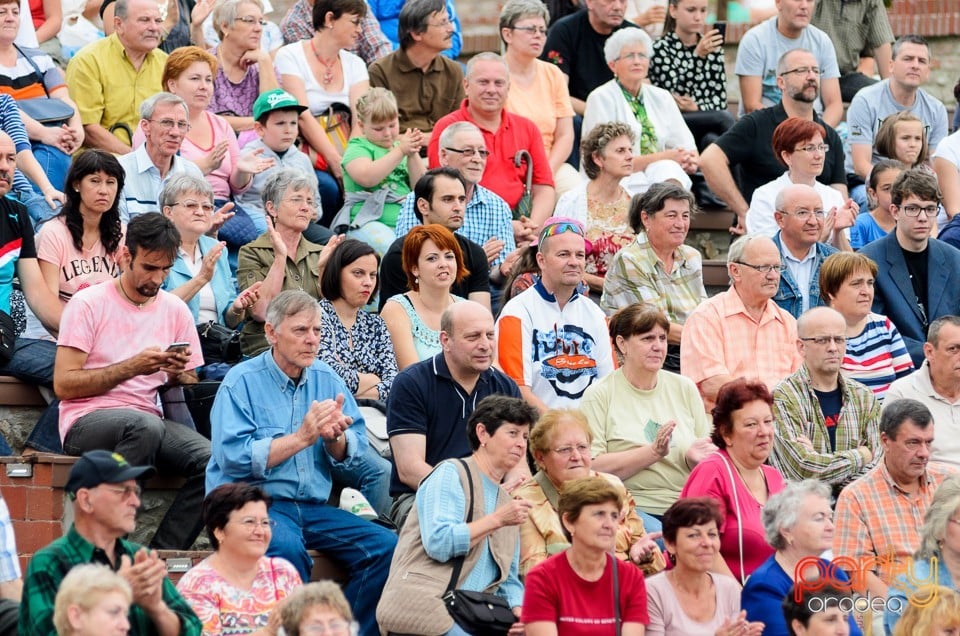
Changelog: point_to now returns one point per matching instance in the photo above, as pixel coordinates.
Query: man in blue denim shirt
(286, 422)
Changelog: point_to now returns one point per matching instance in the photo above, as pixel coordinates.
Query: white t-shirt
(291, 60)
(760, 215)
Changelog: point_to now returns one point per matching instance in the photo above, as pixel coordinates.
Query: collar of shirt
(731, 305)
(282, 380)
(145, 163)
(679, 260)
(790, 258)
(406, 66)
(925, 480)
(549, 297)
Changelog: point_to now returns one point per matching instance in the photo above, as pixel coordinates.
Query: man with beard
(747, 144)
(741, 332)
(551, 339)
(119, 343)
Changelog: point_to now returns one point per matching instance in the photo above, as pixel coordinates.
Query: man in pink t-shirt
(113, 356)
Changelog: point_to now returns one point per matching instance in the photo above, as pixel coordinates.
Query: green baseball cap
(277, 99)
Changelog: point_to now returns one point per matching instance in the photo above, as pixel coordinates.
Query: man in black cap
(106, 495)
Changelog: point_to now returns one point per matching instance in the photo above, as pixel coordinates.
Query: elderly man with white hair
(664, 148)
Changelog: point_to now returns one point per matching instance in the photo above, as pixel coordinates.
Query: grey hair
(84, 585)
(896, 412)
(738, 247)
(781, 510)
(486, 56)
(908, 39)
(149, 105)
(454, 129)
(121, 9)
(515, 10)
(181, 184)
(227, 11)
(946, 502)
(933, 332)
(625, 37)
(413, 19)
(290, 303)
(282, 180)
(782, 62)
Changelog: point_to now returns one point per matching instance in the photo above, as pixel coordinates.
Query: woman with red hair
(798, 144)
(433, 262)
(737, 477)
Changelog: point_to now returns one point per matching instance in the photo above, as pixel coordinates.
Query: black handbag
(49, 111)
(477, 613)
(219, 343)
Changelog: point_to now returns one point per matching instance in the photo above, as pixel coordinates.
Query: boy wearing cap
(275, 115)
(105, 493)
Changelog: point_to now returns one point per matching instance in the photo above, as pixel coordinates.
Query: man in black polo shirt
(441, 197)
(575, 44)
(431, 401)
(748, 143)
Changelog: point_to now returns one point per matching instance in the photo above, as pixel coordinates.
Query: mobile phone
(722, 28)
(178, 347)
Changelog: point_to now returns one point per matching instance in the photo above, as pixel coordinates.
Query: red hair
(733, 396)
(791, 132)
(413, 245)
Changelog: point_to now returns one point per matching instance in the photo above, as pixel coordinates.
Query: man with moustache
(745, 149)
(109, 78)
(799, 215)
(120, 343)
(427, 85)
(741, 332)
(431, 401)
(552, 340)
(440, 198)
(918, 277)
(827, 425)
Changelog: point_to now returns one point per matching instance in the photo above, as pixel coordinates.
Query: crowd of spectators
(457, 335)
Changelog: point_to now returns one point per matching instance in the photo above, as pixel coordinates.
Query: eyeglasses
(168, 124)
(483, 153)
(194, 206)
(567, 451)
(804, 214)
(915, 210)
(124, 491)
(249, 20)
(812, 148)
(440, 25)
(301, 201)
(334, 628)
(252, 523)
(635, 56)
(825, 340)
(763, 269)
(559, 227)
(802, 70)
(532, 30)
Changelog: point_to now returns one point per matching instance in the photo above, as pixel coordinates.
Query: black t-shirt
(577, 49)
(393, 280)
(917, 267)
(830, 404)
(748, 144)
(16, 242)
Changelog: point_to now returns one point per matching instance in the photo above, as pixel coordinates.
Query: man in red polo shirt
(486, 84)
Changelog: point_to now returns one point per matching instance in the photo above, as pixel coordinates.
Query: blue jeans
(365, 549)
(330, 199)
(55, 164)
(37, 207)
(32, 362)
(652, 523)
(146, 440)
(371, 478)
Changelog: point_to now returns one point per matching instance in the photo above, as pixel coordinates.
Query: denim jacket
(788, 295)
(224, 290)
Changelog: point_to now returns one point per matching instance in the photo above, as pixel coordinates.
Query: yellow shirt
(107, 89)
(543, 102)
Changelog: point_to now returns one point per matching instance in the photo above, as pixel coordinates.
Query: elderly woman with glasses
(538, 89)
(560, 445)
(798, 144)
(237, 589)
(798, 522)
(281, 258)
(318, 609)
(664, 148)
(92, 600)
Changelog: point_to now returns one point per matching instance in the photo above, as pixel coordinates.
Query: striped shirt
(12, 124)
(637, 275)
(877, 356)
(797, 413)
(877, 518)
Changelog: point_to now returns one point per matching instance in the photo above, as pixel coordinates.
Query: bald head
(823, 341)
(818, 317)
(8, 162)
(459, 313)
(467, 338)
(799, 214)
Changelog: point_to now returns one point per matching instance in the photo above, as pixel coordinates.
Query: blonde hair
(541, 437)
(323, 593)
(84, 586)
(377, 105)
(925, 614)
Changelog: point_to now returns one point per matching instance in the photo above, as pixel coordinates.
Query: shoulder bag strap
(616, 596)
(35, 68)
(458, 562)
(736, 504)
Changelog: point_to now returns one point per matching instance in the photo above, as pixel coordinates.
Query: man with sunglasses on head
(165, 122)
(551, 339)
(105, 490)
(918, 277)
(741, 332)
(827, 425)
